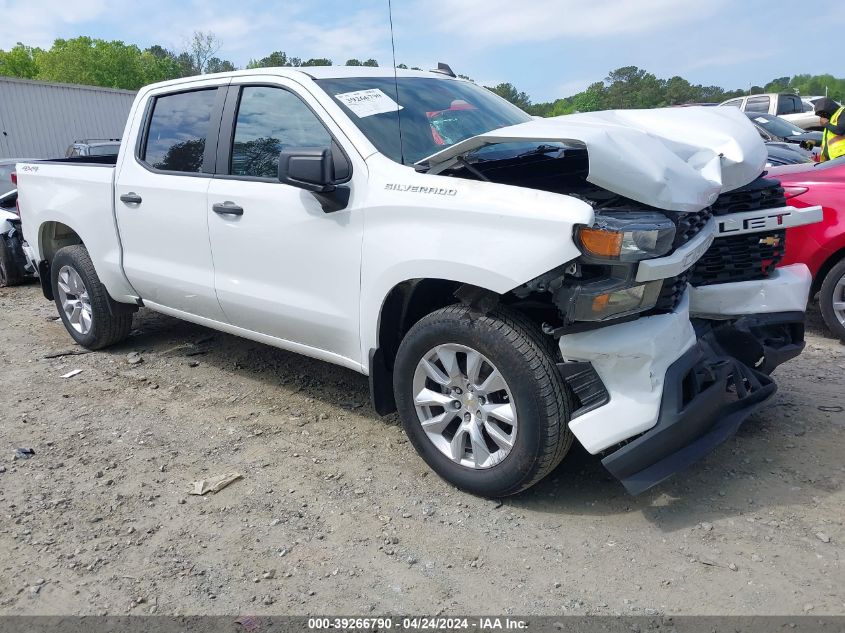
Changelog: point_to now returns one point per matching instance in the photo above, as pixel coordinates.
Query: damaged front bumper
(659, 393)
(706, 397)
(785, 290)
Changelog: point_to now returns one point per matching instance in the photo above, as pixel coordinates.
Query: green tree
(159, 68)
(632, 87)
(84, 60)
(217, 65)
(318, 61)
(818, 85)
(202, 48)
(509, 92)
(274, 59)
(370, 62)
(20, 61)
(679, 90)
(592, 99)
(781, 84)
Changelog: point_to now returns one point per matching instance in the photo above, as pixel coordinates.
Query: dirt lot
(336, 514)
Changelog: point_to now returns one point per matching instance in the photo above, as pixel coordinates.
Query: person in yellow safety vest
(833, 124)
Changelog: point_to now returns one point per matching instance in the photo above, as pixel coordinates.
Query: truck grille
(688, 225)
(739, 258)
(743, 257)
(763, 193)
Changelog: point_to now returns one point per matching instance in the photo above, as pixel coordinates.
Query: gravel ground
(336, 514)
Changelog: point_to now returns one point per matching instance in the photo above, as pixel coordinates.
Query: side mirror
(309, 168)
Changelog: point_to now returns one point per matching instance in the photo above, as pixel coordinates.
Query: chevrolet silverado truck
(508, 284)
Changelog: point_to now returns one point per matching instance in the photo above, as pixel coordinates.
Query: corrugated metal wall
(40, 119)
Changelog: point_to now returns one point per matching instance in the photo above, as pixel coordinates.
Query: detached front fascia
(631, 359)
(678, 159)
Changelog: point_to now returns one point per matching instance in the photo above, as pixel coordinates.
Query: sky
(547, 48)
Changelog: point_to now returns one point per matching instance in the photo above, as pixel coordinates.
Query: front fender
(489, 235)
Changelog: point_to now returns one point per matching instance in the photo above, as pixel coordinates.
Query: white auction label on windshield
(366, 103)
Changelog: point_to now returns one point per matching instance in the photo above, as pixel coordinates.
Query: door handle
(227, 208)
(130, 198)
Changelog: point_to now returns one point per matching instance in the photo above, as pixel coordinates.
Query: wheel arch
(825, 268)
(404, 305)
(100, 240)
(54, 235)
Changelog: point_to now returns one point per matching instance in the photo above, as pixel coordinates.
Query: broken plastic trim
(583, 292)
(586, 385)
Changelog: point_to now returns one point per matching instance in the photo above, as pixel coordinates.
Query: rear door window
(178, 130)
(736, 103)
(788, 105)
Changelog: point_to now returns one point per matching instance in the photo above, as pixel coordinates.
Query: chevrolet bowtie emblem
(770, 241)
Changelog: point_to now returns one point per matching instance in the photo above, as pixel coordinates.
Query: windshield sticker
(366, 103)
(760, 119)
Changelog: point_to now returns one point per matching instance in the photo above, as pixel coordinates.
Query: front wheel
(832, 300)
(481, 400)
(90, 315)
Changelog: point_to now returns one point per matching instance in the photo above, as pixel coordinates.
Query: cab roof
(310, 72)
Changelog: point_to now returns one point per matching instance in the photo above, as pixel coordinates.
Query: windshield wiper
(469, 167)
(541, 149)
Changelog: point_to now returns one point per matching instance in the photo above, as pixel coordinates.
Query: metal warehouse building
(40, 119)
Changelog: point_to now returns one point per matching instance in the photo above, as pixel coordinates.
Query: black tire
(10, 274)
(108, 324)
(518, 349)
(827, 298)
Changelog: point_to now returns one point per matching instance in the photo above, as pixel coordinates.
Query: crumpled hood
(679, 159)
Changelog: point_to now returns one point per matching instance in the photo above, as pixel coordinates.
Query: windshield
(776, 125)
(434, 114)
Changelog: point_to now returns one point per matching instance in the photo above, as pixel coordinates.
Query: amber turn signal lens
(601, 243)
(600, 303)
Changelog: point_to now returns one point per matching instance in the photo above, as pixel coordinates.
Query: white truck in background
(797, 110)
(508, 284)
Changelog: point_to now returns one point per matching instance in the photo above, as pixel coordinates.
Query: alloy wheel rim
(465, 406)
(839, 300)
(73, 296)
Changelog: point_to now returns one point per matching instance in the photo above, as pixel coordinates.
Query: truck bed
(74, 192)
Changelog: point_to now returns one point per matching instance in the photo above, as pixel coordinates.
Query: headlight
(626, 237)
(597, 305)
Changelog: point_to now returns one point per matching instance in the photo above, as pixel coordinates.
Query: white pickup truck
(508, 284)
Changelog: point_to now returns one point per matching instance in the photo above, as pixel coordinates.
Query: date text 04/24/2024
(418, 623)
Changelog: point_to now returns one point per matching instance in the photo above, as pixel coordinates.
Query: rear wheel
(10, 275)
(832, 300)
(481, 400)
(90, 315)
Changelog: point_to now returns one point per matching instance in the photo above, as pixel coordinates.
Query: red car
(820, 246)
